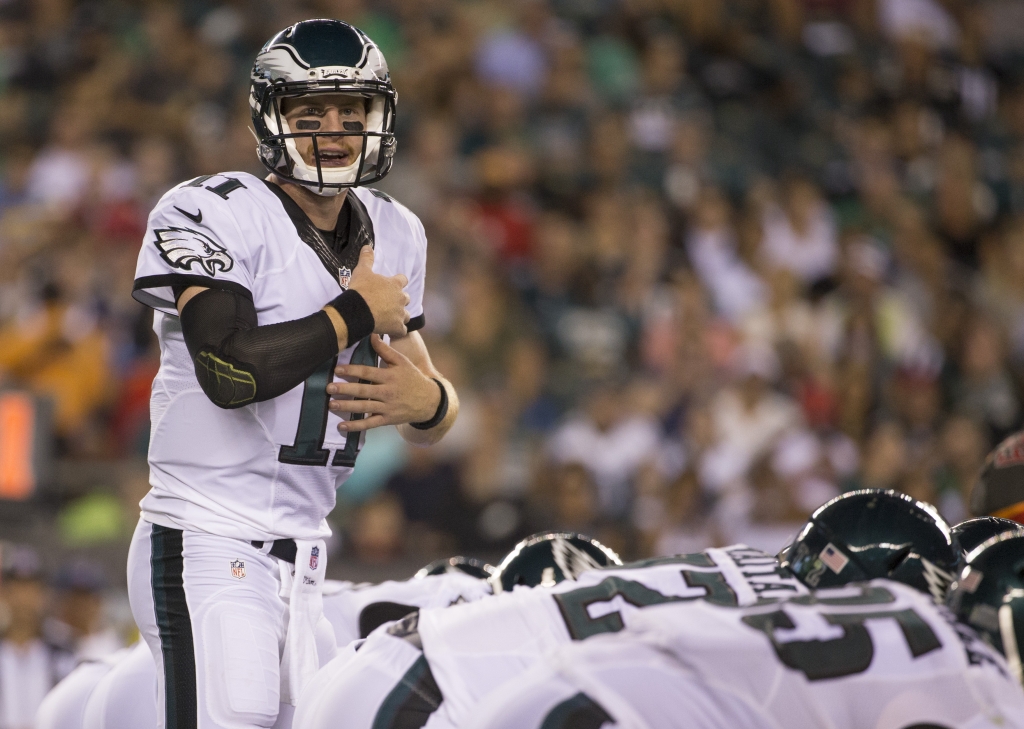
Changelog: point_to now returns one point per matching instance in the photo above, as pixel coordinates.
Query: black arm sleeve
(238, 362)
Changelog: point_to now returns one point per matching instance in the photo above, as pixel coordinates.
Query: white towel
(310, 641)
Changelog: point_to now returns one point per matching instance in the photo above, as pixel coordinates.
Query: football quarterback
(120, 693)
(274, 301)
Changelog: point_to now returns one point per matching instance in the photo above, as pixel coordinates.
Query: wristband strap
(442, 410)
(356, 314)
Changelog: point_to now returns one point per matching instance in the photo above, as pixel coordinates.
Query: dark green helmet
(863, 535)
(989, 595)
(973, 532)
(468, 565)
(548, 558)
(323, 57)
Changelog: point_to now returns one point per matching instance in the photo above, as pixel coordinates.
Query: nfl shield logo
(314, 558)
(238, 569)
(344, 276)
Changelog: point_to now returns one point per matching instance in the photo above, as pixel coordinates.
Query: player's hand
(399, 393)
(383, 294)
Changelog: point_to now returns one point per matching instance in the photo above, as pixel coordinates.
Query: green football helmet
(864, 535)
(468, 565)
(973, 532)
(323, 57)
(989, 595)
(548, 558)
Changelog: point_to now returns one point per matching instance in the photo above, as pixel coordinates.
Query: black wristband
(442, 410)
(356, 314)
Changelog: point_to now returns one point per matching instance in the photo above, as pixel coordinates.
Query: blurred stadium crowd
(695, 266)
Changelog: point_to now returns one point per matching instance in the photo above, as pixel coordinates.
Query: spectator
(984, 390)
(816, 270)
(711, 245)
(800, 234)
(30, 665)
(80, 610)
(515, 57)
(750, 417)
(610, 442)
(60, 175)
(378, 530)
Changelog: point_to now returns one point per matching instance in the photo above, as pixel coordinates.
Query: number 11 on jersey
(308, 448)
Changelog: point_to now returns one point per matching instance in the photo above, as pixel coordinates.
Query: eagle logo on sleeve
(181, 247)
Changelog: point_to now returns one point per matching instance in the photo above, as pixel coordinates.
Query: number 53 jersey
(266, 470)
(878, 655)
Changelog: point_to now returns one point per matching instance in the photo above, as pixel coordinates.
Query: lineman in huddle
(439, 666)
(442, 664)
(272, 297)
(875, 654)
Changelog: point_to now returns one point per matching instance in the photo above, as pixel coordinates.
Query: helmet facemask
(279, 151)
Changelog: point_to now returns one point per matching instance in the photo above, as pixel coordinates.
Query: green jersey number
(853, 651)
(575, 604)
(308, 448)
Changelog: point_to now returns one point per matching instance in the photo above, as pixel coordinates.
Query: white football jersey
(472, 649)
(877, 654)
(267, 470)
(354, 610)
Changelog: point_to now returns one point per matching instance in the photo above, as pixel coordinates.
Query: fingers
(358, 406)
(365, 257)
(356, 426)
(341, 390)
(402, 280)
(389, 354)
(358, 372)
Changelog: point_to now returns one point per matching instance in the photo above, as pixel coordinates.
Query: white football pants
(209, 609)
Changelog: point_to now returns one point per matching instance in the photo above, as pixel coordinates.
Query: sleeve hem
(416, 323)
(143, 296)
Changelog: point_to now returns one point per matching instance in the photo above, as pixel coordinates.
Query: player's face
(327, 113)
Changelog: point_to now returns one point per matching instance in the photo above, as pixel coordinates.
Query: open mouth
(334, 158)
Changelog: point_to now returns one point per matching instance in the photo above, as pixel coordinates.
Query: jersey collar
(360, 233)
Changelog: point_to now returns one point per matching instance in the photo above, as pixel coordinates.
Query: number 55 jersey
(259, 470)
(876, 655)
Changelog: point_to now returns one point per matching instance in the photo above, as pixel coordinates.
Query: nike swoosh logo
(197, 218)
